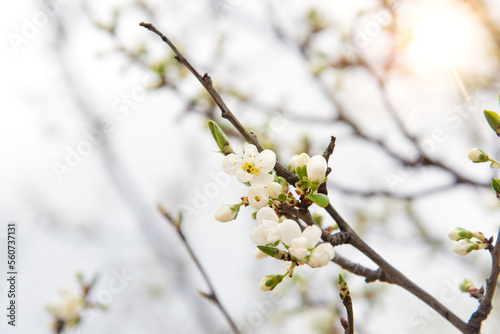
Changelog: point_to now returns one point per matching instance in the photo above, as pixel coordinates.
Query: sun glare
(439, 39)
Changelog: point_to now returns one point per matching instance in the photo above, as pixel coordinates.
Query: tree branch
(484, 309)
(211, 295)
(356, 268)
(391, 274)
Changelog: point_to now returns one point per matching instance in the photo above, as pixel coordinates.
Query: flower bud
(477, 155)
(298, 164)
(466, 285)
(299, 160)
(343, 289)
(464, 246)
(316, 169)
(269, 282)
(459, 233)
(275, 189)
(258, 197)
(226, 213)
(220, 138)
(266, 284)
(321, 255)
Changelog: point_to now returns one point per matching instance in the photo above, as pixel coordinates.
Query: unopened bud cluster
(467, 241)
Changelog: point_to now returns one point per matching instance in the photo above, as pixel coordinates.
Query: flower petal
(257, 237)
(266, 214)
(289, 230)
(243, 176)
(251, 153)
(268, 229)
(231, 163)
(312, 234)
(262, 180)
(267, 160)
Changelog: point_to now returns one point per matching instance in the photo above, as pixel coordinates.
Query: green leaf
(320, 199)
(493, 120)
(495, 183)
(271, 251)
(220, 138)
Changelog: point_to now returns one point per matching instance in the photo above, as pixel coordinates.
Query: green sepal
(493, 120)
(273, 281)
(274, 252)
(318, 218)
(220, 138)
(302, 172)
(320, 199)
(304, 183)
(280, 180)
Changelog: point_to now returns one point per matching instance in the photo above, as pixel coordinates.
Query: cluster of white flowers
(265, 193)
(299, 243)
(464, 245)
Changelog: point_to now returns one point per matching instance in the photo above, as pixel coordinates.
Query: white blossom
(316, 168)
(477, 155)
(258, 197)
(268, 230)
(67, 307)
(275, 189)
(226, 213)
(289, 230)
(321, 255)
(253, 167)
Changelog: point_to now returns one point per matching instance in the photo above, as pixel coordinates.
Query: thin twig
(484, 309)
(211, 295)
(392, 274)
(328, 152)
(357, 269)
(206, 81)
